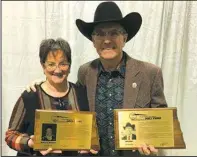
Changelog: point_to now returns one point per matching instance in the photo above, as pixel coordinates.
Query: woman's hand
(43, 152)
(88, 151)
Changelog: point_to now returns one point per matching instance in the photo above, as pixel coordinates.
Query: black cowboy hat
(129, 125)
(110, 12)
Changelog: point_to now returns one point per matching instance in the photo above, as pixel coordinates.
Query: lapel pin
(134, 85)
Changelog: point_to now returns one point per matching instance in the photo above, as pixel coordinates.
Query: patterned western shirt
(109, 96)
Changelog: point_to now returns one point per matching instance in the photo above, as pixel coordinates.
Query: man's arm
(157, 91)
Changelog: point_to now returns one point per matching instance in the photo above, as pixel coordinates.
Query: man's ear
(125, 38)
(93, 42)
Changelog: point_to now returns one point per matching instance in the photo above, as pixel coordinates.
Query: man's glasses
(52, 66)
(113, 34)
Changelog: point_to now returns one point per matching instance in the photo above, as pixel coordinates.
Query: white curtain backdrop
(167, 38)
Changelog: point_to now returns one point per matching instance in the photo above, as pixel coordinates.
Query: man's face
(129, 130)
(109, 39)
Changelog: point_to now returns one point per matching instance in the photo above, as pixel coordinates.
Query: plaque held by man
(154, 126)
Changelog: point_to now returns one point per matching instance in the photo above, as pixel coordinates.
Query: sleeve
(15, 136)
(157, 91)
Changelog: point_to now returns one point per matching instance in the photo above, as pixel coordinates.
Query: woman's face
(49, 132)
(56, 67)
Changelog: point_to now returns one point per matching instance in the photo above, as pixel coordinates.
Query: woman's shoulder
(30, 98)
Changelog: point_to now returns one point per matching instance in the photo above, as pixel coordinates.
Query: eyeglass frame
(50, 68)
(107, 33)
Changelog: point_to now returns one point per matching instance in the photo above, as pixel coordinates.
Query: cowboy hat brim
(131, 23)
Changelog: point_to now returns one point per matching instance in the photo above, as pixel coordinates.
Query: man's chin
(108, 54)
(105, 57)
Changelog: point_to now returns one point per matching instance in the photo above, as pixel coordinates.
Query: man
(129, 132)
(115, 80)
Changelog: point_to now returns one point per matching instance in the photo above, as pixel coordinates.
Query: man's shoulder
(77, 87)
(144, 65)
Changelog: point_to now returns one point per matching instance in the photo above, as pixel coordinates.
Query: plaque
(65, 130)
(154, 126)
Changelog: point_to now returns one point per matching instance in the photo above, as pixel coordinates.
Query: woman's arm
(15, 137)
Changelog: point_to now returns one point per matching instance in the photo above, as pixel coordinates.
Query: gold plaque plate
(65, 130)
(154, 126)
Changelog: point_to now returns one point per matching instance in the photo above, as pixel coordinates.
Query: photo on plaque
(128, 132)
(49, 132)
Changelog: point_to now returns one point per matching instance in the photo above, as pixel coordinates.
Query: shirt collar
(120, 68)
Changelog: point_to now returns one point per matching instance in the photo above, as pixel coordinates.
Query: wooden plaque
(154, 126)
(65, 130)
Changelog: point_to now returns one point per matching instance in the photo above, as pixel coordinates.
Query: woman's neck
(56, 90)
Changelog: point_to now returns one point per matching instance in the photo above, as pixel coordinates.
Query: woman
(55, 93)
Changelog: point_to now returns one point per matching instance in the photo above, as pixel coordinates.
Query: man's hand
(148, 150)
(32, 85)
(43, 152)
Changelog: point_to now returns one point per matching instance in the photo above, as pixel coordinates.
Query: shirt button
(110, 94)
(111, 137)
(110, 80)
(110, 109)
(110, 123)
(113, 150)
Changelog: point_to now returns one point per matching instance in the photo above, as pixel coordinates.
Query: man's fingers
(148, 150)
(32, 87)
(140, 150)
(153, 150)
(145, 150)
(27, 88)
